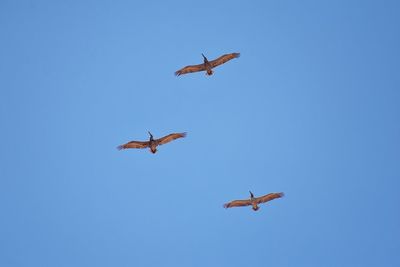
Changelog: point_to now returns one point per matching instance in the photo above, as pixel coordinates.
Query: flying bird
(253, 201)
(207, 65)
(152, 143)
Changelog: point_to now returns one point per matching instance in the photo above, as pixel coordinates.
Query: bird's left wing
(237, 203)
(134, 144)
(190, 68)
(223, 59)
(170, 137)
(269, 197)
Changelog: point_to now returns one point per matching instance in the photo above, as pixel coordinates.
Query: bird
(253, 201)
(152, 143)
(207, 65)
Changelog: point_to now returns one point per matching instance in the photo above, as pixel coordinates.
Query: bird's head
(204, 57)
(251, 194)
(151, 136)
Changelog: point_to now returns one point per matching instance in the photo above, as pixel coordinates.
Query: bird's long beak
(203, 56)
(150, 134)
(251, 194)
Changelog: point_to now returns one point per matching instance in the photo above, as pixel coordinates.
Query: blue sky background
(311, 108)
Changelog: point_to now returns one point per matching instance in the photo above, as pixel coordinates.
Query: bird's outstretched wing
(189, 69)
(134, 144)
(268, 197)
(223, 59)
(237, 203)
(170, 137)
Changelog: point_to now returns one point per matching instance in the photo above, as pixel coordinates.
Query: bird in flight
(152, 143)
(207, 65)
(253, 201)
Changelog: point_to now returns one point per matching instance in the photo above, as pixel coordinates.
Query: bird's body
(207, 65)
(152, 143)
(253, 201)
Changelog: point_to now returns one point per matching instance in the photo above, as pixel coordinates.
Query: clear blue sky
(311, 108)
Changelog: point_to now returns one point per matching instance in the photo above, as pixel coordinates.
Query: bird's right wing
(190, 68)
(269, 197)
(170, 137)
(134, 144)
(237, 203)
(224, 58)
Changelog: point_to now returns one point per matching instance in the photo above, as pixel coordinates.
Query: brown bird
(253, 201)
(207, 65)
(152, 143)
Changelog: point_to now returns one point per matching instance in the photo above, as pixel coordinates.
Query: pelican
(207, 65)
(152, 143)
(253, 201)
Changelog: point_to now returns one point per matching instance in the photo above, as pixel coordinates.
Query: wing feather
(170, 137)
(134, 144)
(190, 68)
(237, 203)
(222, 59)
(269, 197)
